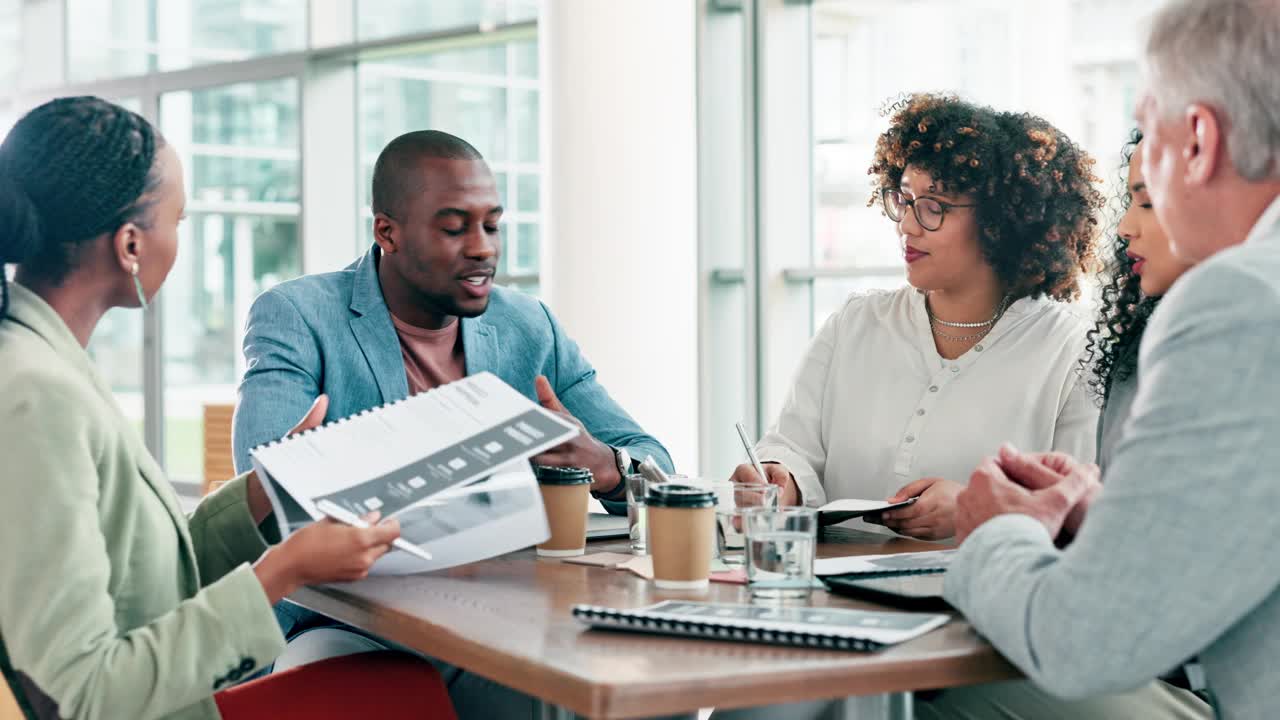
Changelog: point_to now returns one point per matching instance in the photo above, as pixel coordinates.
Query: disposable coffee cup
(566, 493)
(682, 524)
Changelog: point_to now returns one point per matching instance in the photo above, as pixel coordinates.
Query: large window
(485, 93)
(798, 94)
(382, 18)
(240, 148)
(1072, 61)
(109, 38)
(240, 88)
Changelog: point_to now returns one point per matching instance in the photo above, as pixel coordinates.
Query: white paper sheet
(931, 561)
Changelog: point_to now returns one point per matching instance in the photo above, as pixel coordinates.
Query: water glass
(637, 520)
(780, 548)
(731, 500)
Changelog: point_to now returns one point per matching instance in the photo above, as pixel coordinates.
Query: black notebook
(824, 628)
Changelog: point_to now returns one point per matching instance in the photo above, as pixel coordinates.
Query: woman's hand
(323, 552)
(259, 503)
(778, 474)
(931, 517)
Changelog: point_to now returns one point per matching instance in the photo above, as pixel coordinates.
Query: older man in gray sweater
(1172, 556)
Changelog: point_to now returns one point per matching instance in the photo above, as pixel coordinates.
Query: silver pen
(751, 453)
(651, 472)
(342, 515)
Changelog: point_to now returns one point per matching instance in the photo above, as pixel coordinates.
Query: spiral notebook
(822, 628)
(396, 456)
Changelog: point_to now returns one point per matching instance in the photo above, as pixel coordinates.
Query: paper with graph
(415, 459)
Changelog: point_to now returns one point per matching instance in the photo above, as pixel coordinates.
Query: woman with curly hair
(902, 393)
(996, 215)
(1143, 268)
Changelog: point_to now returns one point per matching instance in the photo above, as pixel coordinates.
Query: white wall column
(620, 193)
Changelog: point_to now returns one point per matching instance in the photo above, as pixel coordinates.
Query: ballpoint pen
(751, 454)
(347, 517)
(651, 472)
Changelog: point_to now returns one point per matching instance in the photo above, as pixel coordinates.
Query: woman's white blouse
(874, 407)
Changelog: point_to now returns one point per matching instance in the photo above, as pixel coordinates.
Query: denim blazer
(332, 333)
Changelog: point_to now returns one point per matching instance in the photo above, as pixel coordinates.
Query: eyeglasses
(929, 212)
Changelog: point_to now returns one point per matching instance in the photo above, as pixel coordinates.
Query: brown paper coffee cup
(682, 521)
(566, 500)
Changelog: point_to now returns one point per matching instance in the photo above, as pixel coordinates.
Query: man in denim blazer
(436, 212)
(333, 333)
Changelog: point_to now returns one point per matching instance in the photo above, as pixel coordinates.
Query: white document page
(393, 457)
(931, 561)
(852, 505)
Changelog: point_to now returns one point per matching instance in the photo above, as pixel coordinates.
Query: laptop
(601, 526)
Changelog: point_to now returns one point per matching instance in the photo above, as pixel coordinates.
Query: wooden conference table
(508, 619)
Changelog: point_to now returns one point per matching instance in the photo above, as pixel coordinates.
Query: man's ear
(1205, 150)
(386, 232)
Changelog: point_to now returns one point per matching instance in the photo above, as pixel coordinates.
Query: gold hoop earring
(137, 285)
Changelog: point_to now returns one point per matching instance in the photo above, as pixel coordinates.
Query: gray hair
(1223, 53)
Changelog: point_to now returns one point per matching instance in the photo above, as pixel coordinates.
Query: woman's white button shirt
(874, 407)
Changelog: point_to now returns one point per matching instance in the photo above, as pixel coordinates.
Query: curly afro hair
(1034, 187)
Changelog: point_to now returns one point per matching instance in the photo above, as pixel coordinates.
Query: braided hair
(71, 170)
(1033, 186)
(1111, 349)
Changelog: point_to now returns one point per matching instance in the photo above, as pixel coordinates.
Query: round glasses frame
(892, 207)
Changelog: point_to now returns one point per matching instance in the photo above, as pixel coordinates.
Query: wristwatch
(623, 461)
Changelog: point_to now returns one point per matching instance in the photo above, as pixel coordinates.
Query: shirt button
(911, 438)
(920, 411)
(955, 369)
(933, 388)
(978, 347)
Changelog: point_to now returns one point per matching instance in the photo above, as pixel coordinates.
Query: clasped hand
(1053, 488)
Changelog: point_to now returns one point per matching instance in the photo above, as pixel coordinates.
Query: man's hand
(991, 493)
(583, 451)
(1037, 471)
(259, 503)
(788, 491)
(931, 517)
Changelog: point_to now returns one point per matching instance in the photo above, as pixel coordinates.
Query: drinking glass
(779, 550)
(731, 500)
(637, 520)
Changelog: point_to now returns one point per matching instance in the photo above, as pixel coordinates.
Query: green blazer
(113, 604)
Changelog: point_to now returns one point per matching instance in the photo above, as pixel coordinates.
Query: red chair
(383, 685)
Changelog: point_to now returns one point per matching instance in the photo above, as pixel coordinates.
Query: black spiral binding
(710, 629)
(339, 421)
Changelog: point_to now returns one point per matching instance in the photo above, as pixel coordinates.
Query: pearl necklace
(974, 336)
(986, 323)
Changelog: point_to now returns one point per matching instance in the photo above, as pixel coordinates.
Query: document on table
(896, 564)
(851, 505)
(415, 458)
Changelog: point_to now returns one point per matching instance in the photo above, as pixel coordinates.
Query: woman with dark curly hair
(1143, 268)
(902, 393)
(996, 215)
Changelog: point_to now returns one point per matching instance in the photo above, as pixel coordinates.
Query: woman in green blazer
(113, 604)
